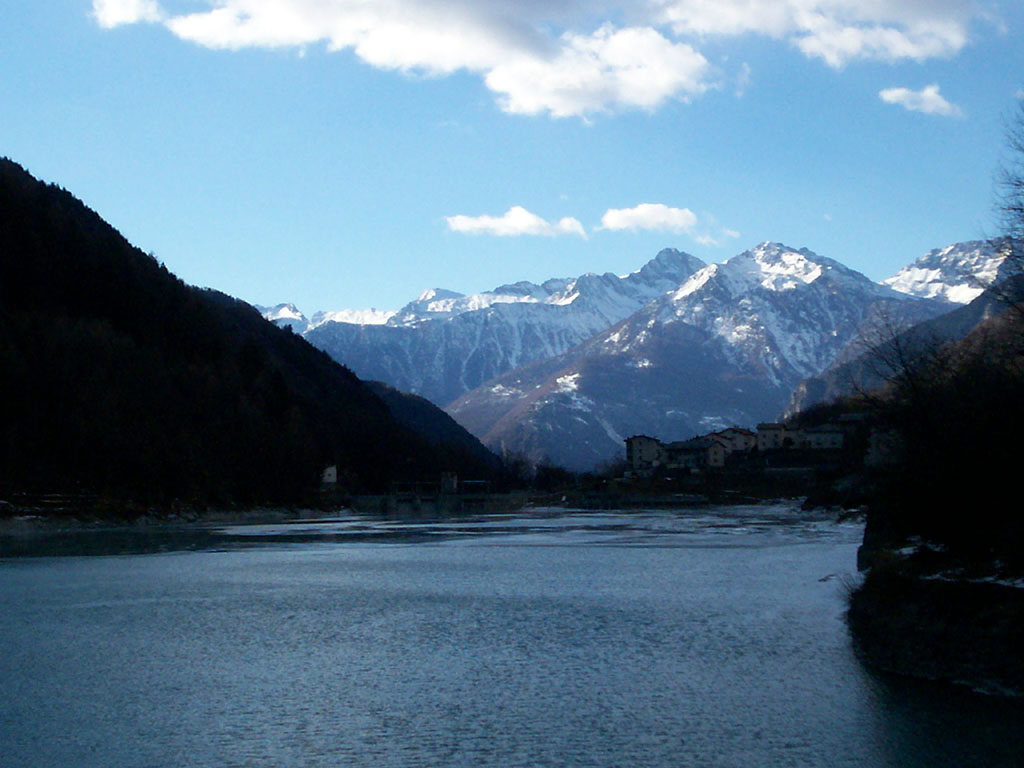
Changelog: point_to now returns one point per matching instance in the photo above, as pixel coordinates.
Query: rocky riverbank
(922, 613)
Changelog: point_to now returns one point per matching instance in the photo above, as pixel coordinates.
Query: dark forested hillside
(117, 378)
(957, 414)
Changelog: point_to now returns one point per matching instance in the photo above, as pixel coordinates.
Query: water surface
(691, 638)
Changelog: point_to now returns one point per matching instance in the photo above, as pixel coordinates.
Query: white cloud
(658, 217)
(633, 67)
(114, 13)
(532, 72)
(650, 216)
(709, 238)
(836, 31)
(515, 221)
(927, 100)
(566, 57)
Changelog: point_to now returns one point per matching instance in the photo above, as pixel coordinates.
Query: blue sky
(340, 154)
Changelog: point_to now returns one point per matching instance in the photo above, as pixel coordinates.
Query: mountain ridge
(444, 344)
(769, 317)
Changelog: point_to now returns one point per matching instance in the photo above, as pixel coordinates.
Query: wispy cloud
(742, 80)
(835, 31)
(515, 221)
(650, 216)
(566, 57)
(716, 238)
(927, 100)
(114, 13)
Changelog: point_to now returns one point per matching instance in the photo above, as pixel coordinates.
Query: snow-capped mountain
(727, 346)
(957, 273)
(786, 313)
(358, 316)
(443, 344)
(284, 316)
(288, 315)
(568, 367)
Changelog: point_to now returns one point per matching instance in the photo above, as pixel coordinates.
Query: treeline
(116, 378)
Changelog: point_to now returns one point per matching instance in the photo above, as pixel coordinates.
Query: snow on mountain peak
(372, 316)
(438, 294)
(284, 312)
(957, 273)
(771, 266)
(696, 281)
(284, 315)
(787, 311)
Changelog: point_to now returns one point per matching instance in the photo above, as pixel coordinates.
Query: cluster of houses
(711, 451)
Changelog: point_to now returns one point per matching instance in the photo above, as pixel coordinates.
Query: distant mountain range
(444, 344)
(566, 369)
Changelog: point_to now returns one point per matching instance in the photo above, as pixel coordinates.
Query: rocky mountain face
(444, 344)
(876, 363)
(726, 347)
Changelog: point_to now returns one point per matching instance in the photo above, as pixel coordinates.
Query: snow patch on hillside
(569, 383)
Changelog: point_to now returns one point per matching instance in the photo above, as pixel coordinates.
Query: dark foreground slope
(119, 379)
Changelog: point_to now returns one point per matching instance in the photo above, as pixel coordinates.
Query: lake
(710, 637)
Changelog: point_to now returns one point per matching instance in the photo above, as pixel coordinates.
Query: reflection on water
(709, 638)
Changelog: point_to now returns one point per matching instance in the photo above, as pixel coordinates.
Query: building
(771, 436)
(718, 448)
(643, 453)
(740, 440)
(686, 454)
(698, 453)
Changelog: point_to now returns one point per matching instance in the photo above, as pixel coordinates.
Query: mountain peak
(668, 269)
(435, 294)
(776, 268)
(957, 273)
(285, 315)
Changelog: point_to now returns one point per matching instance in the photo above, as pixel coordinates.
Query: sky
(353, 153)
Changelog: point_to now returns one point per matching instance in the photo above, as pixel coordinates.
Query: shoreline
(27, 522)
(94, 515)
(915, 616)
